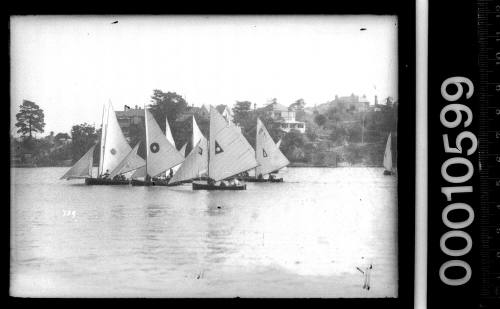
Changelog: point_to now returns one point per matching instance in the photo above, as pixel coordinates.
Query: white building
(285, 117)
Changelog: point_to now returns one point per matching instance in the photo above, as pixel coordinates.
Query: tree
(320, 120)
(30, 119)
(83, 137)
(241, 112)
(167, 105)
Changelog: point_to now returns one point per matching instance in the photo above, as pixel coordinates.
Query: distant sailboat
(161, 155)
(229, 154)
(388, 157)
(115, 154)
(268, 155)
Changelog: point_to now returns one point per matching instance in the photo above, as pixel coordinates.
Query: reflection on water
(301, 238)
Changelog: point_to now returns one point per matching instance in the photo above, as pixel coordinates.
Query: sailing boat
(161, 155)
(268, 155)
(388, 157)
(196, 164)
(229, 154)
(115, 155)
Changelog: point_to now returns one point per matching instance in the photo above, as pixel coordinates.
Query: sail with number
(229, 151)
(388, 155)
(83, 167)
(161, 154)
(116, 147)
(268, 155)
(131, 162)
(195, 165)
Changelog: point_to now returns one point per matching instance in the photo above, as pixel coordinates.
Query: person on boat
(106, 175)
(210, 182)
(170, 174)
(223, 183)
(260, 176)
(271, 177)
(236, 182)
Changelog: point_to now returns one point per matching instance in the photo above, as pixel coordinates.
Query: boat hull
(253, 179)
(205, 186)
(105, 182)
(142, 183)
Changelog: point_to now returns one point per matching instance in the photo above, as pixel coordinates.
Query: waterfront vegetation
(336, 134)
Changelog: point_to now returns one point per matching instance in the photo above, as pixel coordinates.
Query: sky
(72, 65)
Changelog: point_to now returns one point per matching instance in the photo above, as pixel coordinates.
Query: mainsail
(168, 133)
(116, 146)
(161, 154)
(268, 155)
(197, 135)
(196, 163)
(82, 168)
(229, 151)
(388, 155)
(131, 162)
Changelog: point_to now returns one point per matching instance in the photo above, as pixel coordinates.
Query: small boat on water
(115, 155)
(389, 170)
(206, 186)
(161, 155)
(268, 155)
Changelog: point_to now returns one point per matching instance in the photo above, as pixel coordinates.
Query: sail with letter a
(131, 162)
(388, 155)
(161, 154)
(83, 167)
(116, 147)
(229, 151)
(268, 155)
(195, 165)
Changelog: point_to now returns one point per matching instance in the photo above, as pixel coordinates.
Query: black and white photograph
(204, 156)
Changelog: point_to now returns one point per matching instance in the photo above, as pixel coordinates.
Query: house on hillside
(128, 117)
(284, 117)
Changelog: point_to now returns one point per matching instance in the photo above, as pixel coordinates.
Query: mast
(147, 143)
(208, 148)
(105, 135)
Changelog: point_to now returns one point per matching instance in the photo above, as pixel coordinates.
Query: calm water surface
(301, 238)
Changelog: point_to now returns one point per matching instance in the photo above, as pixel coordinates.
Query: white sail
(388, 155)
(183, 150)
(161, 154)
(103, 134)
(196, 163)
(116, 146)
(268, 155)
(83, 167)
(131, 162)
(197, 135)
(230, 153)
(139, 173)
(168, 133)
(227, 115)
(278, 144)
